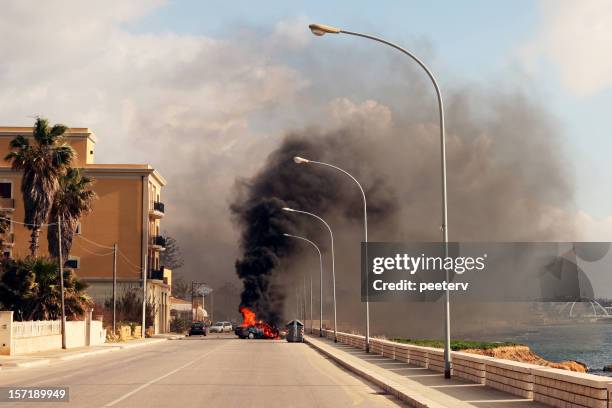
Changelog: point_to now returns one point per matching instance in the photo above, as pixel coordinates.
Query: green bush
(456, 345)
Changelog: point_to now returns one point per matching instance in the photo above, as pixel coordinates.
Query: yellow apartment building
(127, 212)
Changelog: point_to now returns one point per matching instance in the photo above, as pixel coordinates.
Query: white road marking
(168, 374)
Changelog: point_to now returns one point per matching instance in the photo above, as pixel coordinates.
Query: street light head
(322, 29)
(300, 160)
(287, 235)
(288, 209)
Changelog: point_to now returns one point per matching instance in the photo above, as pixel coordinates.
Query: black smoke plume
(258, 211)
(506, 180)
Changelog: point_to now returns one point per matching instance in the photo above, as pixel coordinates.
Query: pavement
(48, 357)
(416, 386)
(214, 371)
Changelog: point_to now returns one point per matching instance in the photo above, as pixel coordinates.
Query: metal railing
(34, 328)
(158, 240)
(158, 206)
(157, 273)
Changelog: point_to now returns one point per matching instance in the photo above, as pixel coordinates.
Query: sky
(205, 90)
(556, 47)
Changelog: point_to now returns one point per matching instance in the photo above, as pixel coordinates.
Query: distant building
(127, 212)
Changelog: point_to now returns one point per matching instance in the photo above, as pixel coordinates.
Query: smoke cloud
(205, 111)
(506, 179)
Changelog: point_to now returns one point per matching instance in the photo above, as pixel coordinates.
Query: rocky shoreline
(524, 354)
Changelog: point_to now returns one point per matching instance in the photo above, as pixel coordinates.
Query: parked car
(197, 328)
(217, 327)
(227, 327)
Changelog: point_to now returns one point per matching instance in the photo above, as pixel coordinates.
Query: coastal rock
(524, 354)
(608, 368)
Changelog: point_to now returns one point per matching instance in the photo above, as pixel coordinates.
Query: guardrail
(550, 386)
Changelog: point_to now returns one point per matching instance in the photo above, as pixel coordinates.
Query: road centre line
(153, 381)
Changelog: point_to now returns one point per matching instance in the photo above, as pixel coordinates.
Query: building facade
(128, 212)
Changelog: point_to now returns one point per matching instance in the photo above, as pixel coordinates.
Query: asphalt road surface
(214, 371)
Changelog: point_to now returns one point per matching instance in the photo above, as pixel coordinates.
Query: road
(215, 371)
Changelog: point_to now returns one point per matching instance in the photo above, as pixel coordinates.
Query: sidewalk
(47, 357)
(417, 386)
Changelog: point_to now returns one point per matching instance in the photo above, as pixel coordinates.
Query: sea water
(588, 343)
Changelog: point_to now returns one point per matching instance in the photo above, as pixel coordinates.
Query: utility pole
(304, 308)
(212, 306)
(114, 289)
(61, 278)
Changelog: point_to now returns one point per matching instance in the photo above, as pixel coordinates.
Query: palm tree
(73, 199)
(29, 288)
(42, 164)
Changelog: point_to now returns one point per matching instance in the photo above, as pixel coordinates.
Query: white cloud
(576, 37)
(183, 103)
(592, 229)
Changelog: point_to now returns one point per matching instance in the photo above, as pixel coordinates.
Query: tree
(30, 288)
(181, 288)
(42, 165)
(73, 199)
(172, 258)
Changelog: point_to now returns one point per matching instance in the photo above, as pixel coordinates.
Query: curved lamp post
(301, 160)
(321, 29)
(321, 296)
(331, 235)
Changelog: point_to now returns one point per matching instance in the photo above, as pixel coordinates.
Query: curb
(46, 361)
(86, 354)
(142, 344)
(412, 399)
(28, 364)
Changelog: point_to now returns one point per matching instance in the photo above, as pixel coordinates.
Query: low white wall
(6, 332)
(550, 386)
(34, 336)
(27, 345)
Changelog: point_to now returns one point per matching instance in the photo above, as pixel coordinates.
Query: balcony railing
(158, 240)
(158, 206)
(7, 203)
(157, 273)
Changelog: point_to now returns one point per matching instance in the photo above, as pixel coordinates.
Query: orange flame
(249, 319)
(248, 316)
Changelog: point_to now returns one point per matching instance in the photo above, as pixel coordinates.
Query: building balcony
(163, 274)
(7, 203)
(7, 239)
(157, 211)
(158, 242)
(156, 273)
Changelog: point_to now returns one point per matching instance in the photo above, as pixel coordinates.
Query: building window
(74, 262)
(78, 229)
(6, 189)
(7, 253)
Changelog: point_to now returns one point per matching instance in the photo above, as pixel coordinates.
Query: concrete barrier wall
(560, 388)
(512, 377)
(550, 386)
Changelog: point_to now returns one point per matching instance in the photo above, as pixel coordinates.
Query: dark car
(197, 328)
(249, 332)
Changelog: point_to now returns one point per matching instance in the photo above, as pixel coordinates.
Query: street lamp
(301, 160)
(321, 296)
(331, 235)
(319, 30)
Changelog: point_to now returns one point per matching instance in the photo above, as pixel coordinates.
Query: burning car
(253, 329)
